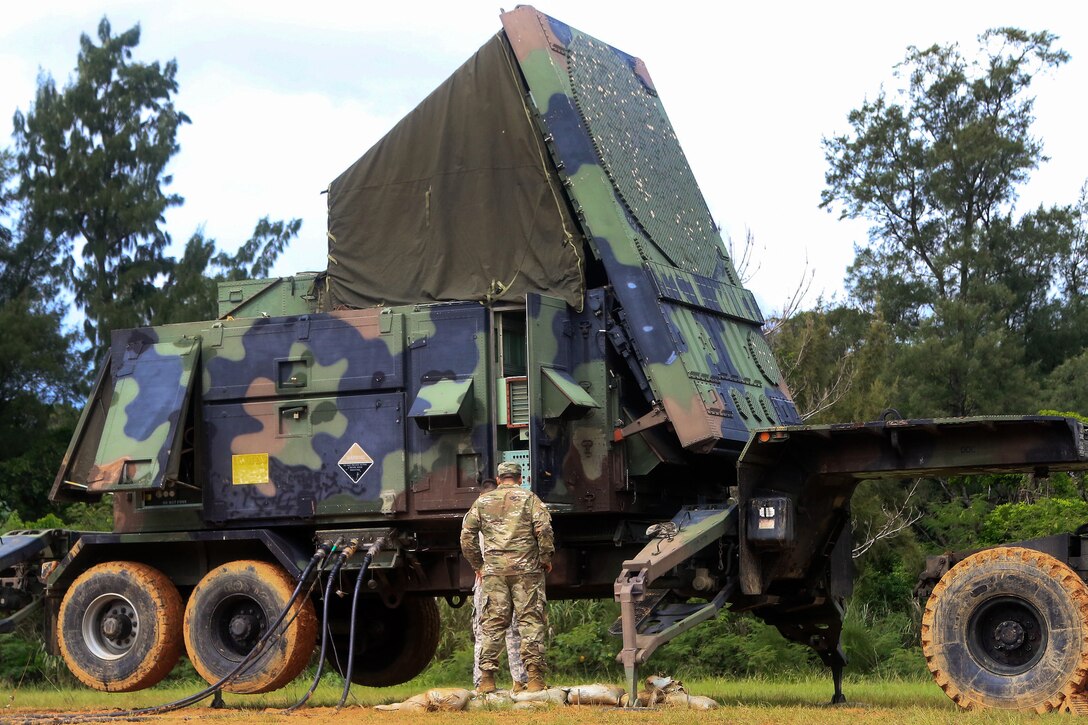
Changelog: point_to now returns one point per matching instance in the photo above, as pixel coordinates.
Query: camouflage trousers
(513, 640)
(518, 596)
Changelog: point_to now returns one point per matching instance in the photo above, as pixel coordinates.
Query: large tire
(1007, 628)
(391, 645)
(119, 626)
(231, 609)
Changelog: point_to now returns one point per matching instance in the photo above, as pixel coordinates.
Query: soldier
(517, 551)
(513, 635)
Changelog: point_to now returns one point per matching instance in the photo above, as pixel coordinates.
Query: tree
(39, 378)
(87, 177)
(190, 291)
(838, 363)
(92, 161)
(936, 169)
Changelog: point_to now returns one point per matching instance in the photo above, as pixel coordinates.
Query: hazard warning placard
(356, 462)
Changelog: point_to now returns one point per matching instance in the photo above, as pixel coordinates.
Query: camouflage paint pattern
(574, 458)
(140, 443)
(284, 415)
(307, 414)
(696, 332)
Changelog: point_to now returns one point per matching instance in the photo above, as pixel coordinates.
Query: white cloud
(284, 96)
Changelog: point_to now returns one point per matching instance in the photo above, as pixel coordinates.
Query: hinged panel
(306, 457)
(141, 440)
(447, 442)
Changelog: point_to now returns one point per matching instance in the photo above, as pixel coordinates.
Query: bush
(882, 642)
(1020, 521)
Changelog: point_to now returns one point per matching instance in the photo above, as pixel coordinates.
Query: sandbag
(440, 698)
(499, 700)
(449, 698)
(695, 702)
(595, 694)
(415, 703)
(643, 698)
(531, 705)
(556, 695)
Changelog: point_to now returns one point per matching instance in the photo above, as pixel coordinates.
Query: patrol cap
(508, 469)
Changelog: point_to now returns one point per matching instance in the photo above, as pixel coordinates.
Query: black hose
(319, 555)
(344, 555)
(370, 554)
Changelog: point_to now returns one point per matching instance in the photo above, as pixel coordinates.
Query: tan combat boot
(517, 687)
(487, 682)
(536, 679)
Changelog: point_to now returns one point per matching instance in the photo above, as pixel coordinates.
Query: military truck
(523, 269)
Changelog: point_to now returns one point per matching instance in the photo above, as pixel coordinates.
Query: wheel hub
(110, 626)
(117, 628)
(242, 627)
(239, 622)
(1007, 635)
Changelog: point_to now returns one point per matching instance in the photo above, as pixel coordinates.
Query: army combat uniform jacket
(517, 532)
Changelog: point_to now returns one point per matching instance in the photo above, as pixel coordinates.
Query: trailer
(523, 269)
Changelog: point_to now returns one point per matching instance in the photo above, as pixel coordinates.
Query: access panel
(305, 458)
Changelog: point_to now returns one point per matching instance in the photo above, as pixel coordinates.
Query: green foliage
(1068, 414)
(882, 643)
(92, 158)
(24, 661)
(582, 650)
(190, 292)
(581, 645)
(1020, 521)
(935, 168)
(90, 516)
(954, 524)
(836, 362)
(886, 585)
(39, 376)
(49, 521)
(1067, 384)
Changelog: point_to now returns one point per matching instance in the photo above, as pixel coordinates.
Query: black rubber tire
(256, 592)
(391, 645)
(140, 600)
(1007, 628)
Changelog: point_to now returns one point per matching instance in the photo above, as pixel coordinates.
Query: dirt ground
(355, 715)
(569, 715)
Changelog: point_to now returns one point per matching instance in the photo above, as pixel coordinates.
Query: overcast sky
(285, 95)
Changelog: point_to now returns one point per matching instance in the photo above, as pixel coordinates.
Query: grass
(756, 701)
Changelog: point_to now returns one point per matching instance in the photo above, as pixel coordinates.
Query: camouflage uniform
(517, 548)
(513, 640)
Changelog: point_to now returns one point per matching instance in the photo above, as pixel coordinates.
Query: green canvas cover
(459, 201)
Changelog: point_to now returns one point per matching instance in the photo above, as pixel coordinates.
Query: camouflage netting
(458, 201)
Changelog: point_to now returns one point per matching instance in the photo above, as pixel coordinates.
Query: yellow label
(250, 468)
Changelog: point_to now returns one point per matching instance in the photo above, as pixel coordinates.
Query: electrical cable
(345, 554)
(259, 648)
(369, 557)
